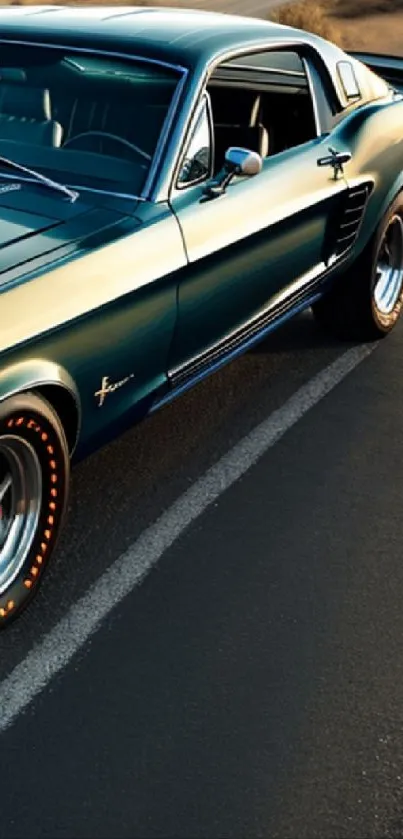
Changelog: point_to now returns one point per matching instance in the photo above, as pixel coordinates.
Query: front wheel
(366, 302)
(34, 480)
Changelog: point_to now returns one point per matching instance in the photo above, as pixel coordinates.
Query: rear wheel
(367, 301)
(34, 480)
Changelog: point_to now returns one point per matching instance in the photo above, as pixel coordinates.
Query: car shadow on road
(299, 333)
(122, 488)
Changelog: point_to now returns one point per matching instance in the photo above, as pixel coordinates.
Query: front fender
(50, 379)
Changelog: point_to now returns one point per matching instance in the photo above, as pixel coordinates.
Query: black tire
(353, 308)
(34, 466)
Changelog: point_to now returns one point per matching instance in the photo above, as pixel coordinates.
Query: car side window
(263, 102)
(196, 164)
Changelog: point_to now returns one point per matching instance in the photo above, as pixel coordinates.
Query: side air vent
(349, 219)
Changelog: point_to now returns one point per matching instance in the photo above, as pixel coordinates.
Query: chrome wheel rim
(389, 267)
(20, 505)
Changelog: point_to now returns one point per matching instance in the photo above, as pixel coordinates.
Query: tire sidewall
(385, 322)
(32, 418)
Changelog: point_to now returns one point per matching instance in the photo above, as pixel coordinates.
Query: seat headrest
(23, 101)
(253, 137)
(233, 107)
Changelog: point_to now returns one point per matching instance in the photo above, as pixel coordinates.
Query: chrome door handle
(336, 159)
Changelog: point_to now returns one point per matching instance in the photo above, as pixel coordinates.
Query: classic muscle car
(173, 185)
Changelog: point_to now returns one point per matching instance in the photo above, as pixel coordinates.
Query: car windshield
(84, 120)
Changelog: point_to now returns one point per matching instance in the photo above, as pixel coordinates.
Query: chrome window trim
(278, 72)
(147, 191)
(299, 45)
(183, 71)
(311, 88)
(90, 50)
(351, 97)
(204, 102)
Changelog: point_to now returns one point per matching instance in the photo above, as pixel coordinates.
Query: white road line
(53, 653)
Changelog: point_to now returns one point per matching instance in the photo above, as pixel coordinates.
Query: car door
(250, 250)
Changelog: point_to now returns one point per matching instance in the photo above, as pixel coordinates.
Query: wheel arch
(372, 219)
(392, 194)
(53, 383)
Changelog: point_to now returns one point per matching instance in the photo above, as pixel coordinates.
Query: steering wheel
(113, 137)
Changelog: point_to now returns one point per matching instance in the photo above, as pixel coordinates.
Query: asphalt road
(252, 685)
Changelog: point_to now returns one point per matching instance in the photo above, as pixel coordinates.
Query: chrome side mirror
(238, 161)
(243, 161)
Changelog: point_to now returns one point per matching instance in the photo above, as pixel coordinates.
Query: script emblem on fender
(110, 387)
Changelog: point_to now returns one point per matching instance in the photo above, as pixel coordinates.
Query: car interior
(99, 106)
(263, 104)
(87, 107)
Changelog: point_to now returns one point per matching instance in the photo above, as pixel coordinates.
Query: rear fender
(393, 192)
(373, 134)
(388, 67)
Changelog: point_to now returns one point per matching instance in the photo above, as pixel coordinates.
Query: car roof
(183, 37)
(187, 38)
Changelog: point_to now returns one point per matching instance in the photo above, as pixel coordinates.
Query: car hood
(38, 226)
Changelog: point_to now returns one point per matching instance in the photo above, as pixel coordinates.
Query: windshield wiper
(71, 194)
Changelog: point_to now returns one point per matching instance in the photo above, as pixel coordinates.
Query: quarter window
(196, 164)
(348, 80)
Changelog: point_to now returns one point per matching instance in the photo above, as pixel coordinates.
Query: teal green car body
(114, 304)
